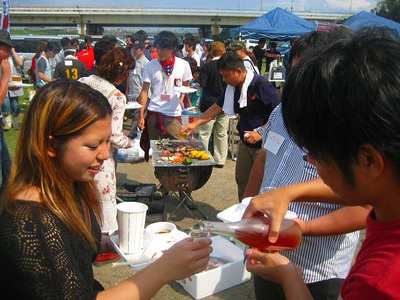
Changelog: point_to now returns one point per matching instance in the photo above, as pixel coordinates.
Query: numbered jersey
(70, 69)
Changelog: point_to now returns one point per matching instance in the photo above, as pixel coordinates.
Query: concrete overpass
(81, 17)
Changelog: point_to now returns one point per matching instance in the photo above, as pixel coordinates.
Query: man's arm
(41, 67)
(210, 114)
(182, 96)
(275, 202)
(19, 60)
(5, 78)
(43, 77)
(313, 190)
(341, 221)
(256, 175)
(142, 99)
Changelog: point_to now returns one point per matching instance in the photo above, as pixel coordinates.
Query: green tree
(389, 9)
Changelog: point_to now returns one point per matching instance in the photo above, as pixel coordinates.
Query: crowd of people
(326, 148)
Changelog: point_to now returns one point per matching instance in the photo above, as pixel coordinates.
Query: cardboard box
(215, 280)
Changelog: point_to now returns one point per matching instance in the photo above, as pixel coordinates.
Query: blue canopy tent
(366, 19)
(278, 24)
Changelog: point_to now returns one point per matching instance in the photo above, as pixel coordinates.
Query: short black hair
(273, 44)
(140, 35)
(74, 41)
(262, 41)
(191, 42)
(88, 39)
(166, 40)
(345, 96)
(110, 38)
(51, 46)
(65, 42)
(317, 40)
(101, 48)
(188, 35)
(231, 61)
(192, 63)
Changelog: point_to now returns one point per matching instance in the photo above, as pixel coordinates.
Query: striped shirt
(320, 257)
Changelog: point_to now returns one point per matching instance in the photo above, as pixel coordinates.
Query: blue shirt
(320, 257)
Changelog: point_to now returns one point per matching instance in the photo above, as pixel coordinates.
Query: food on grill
(181, 152)
(187, 161)
(202, 155)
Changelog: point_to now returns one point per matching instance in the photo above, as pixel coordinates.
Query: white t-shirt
(164, 98)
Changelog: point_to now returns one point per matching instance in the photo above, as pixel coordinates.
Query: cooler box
(210, 282)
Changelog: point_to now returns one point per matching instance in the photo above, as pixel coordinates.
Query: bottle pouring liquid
(254, 232)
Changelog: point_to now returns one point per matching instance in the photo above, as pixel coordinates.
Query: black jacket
(212, 84)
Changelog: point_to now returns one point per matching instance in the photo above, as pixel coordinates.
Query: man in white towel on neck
(248, 95)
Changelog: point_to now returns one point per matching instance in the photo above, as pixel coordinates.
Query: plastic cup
(131, 218)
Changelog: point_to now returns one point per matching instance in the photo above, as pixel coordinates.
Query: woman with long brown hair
(112, 68)
(50, 214)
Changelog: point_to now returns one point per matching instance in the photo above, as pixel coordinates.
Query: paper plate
(19, 85)
(184, 89)
(133, 105)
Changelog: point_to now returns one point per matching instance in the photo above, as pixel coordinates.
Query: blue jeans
(5, 161)
(10, 105)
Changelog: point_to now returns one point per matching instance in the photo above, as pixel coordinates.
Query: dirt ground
(217, 194)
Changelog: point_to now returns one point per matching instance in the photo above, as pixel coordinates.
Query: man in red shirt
(87, 55)
(341, 104)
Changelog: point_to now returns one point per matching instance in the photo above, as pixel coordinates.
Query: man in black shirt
(70, 68)
(259, 52)
(213, 89)
(248, 95)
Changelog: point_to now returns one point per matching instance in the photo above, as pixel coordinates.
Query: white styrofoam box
(209, 282)
(235, 212)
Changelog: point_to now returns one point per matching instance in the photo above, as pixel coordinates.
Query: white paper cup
(131, 218)
(161, 231)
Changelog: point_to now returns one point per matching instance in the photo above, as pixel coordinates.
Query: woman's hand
(185, 258)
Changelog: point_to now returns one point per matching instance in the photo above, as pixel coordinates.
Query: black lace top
(42, 259)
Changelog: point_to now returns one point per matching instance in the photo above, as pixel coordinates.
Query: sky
(264, 5)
